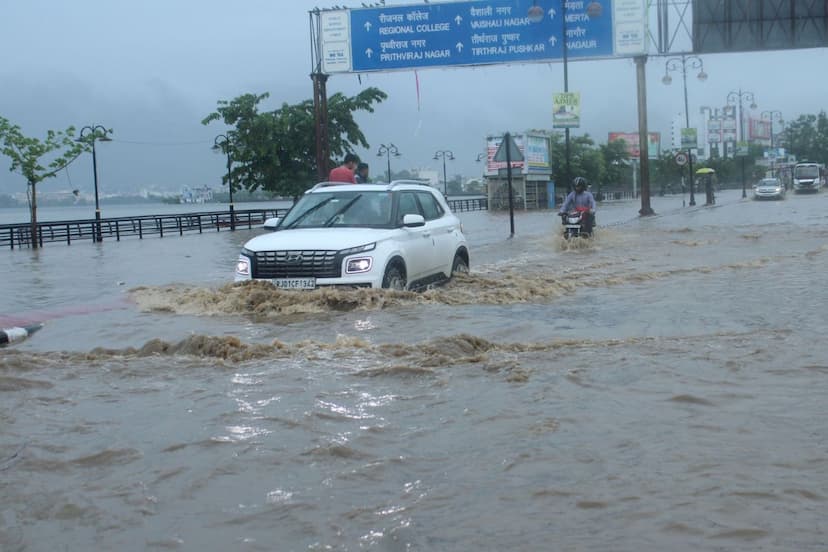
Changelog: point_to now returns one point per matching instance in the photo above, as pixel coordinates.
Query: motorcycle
(576, 223)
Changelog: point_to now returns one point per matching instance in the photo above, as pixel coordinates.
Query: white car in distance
(401, 235)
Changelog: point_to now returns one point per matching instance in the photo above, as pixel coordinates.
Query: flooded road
(661, 387)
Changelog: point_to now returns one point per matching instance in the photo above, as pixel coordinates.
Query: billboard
(634, 144)
(476, 32)
(535, 150)
(759, 129)
(566, 110)
(747, 25)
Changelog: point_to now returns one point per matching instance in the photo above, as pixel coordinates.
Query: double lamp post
(388, 151)
(735, 97)
(95, 133)
(444, 154)
(771, 116)
(681, 64)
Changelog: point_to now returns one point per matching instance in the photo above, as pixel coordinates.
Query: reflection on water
(660, 387)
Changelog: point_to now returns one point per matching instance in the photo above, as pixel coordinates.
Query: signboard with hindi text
(476, 32)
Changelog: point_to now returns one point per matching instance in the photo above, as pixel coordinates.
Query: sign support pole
(507, 139)
(320, 115)
(643, 137)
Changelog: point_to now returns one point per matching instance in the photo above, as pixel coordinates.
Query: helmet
(580, 183)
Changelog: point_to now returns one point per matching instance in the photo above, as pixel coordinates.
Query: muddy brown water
(659, 388)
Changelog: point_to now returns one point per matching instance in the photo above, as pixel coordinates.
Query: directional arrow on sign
(458, 20)
(553, 40)
(551, 13)
(369, 52)
(459, 46)
(367, 25)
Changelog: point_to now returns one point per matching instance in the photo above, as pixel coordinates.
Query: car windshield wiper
(342, 210)
(313, 209)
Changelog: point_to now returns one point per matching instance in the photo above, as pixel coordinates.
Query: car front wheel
(394, 278)
(459, 266)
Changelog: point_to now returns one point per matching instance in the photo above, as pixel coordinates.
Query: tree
(807, 137)
(276, 150)
(578, 146)
(616, 158)
(26, 156)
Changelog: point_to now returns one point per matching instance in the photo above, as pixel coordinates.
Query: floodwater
(661, 387)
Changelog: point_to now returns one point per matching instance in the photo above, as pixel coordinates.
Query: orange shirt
(342, 174)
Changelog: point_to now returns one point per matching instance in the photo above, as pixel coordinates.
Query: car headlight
(243, 266)
(358, 265)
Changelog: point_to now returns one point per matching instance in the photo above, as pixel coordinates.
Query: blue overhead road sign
(478, 32)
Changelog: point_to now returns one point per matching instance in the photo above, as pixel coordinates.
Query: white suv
(401, 235)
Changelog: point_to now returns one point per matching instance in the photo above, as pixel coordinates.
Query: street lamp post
(222, 143)
(769, 116)
(443, 154)
(732, 98)
(94, 133)
(388, 151)
(681, 64)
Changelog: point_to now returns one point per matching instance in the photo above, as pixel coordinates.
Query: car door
(443, 229)
(415, 242)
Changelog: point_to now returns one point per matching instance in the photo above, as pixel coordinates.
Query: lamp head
(667, 79)
(702, 76)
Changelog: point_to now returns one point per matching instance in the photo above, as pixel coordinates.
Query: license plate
(294, 283)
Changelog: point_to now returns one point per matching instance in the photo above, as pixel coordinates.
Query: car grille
(297, 264)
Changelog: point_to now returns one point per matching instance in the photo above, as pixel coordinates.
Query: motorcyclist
(581, 199)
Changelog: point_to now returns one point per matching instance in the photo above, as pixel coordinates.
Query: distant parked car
(401, 235)
(769, 188)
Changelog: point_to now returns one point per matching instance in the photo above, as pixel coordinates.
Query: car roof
(373, 186)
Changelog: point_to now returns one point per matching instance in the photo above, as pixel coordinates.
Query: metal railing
(68, 231)
(471, 204)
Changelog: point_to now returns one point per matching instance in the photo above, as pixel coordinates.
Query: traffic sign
(472, 33)
(680, 158)
(512, 155)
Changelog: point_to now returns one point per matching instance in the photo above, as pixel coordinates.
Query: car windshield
(808, 171)
(341, 208)
(769, 182)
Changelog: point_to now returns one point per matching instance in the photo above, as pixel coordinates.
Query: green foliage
(27, 154)
(616, 161)
(601, 165)
(276, 150)
(807, 138)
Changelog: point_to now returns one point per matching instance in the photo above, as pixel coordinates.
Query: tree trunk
(34, 215)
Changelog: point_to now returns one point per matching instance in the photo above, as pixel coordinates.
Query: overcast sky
(153, 69)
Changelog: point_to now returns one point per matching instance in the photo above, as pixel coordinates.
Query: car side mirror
(271, 223)
(412, 221)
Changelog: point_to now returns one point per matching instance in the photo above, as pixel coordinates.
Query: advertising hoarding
(535, 150)
(634, 144)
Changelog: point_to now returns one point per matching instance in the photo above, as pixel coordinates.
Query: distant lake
(16, 215)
